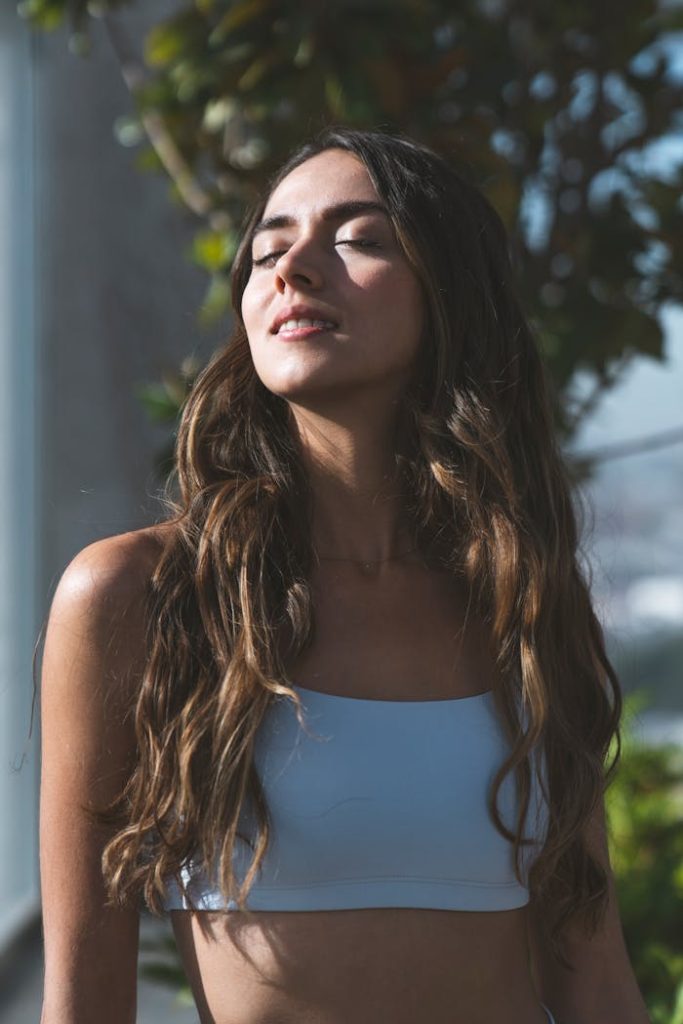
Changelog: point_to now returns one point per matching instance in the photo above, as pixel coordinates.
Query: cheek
(414, 303)
(256, 320)
(396, 306)
(248, 305)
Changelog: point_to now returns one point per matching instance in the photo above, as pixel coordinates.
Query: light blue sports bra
(382, 803)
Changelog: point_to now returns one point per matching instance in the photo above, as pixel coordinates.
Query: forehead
(326, 179)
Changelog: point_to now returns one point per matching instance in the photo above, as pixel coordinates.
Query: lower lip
(301, 333)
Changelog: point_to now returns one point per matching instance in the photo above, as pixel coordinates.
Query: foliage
(163, 401)
(160, 963)
(645, 816)
(551, 107)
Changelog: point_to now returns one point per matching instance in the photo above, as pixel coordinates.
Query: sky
(648, 399)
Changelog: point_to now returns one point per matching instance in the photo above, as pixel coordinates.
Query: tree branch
(175, 165)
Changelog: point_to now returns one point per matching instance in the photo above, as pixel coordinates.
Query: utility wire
(634, 447)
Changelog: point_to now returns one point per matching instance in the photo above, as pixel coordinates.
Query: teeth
(293, 325)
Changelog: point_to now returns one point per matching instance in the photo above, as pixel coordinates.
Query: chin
(300, 386)
(314, 386)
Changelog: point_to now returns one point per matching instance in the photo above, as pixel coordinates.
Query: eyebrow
(340, 211)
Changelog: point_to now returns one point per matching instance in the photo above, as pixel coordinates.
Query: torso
(401, 634)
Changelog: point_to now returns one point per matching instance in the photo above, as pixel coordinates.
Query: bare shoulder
(93, 664)
(96, 628)
(114, 566)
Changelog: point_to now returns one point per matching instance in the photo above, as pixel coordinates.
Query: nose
(296, 268)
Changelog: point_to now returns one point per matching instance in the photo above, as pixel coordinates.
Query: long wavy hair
(488, 497)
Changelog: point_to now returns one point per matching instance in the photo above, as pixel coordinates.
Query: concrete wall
(96, 294)
(19, 503)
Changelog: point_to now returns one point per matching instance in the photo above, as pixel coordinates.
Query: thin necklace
(366, 566)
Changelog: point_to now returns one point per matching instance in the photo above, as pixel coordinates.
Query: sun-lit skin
(349, 266)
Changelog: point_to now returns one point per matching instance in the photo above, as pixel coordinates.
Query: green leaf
(239, 14)
(334, 94)
(216, 300)
(164, 974)
(678, 1005)
(147, 161)
(257, 70)
(164, 44)
(214, 250)
(161, 407)
(42, 15)
(305, 51)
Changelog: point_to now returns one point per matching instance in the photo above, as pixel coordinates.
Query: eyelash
(360, 243)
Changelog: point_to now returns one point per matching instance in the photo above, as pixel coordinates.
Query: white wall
(19, 500)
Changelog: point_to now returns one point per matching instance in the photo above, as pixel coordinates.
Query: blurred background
(132, 136)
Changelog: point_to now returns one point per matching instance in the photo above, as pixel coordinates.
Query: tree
(553, 108)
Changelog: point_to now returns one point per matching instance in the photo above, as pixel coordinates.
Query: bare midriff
(367, 966)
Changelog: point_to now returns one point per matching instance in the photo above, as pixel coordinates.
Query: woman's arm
(92, 663)
(604, 989)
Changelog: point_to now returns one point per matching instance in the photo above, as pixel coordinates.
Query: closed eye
(262, 260)
(271, 258)
(361, 243)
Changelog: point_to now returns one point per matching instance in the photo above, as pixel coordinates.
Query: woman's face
(332, 306)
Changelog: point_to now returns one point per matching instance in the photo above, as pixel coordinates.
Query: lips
(302, 313)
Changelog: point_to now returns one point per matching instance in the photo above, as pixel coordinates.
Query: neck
(358, 508)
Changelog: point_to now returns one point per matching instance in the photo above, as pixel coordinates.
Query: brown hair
(488, 496)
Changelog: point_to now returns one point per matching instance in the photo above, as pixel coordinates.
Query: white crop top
(383, 805)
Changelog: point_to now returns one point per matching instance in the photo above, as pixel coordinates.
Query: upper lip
(300, 313)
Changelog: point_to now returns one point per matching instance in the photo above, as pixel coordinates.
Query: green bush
(645, 817)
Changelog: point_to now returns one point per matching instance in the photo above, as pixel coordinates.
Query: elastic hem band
(347, 894)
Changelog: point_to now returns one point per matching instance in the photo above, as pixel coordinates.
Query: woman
(345, 714)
